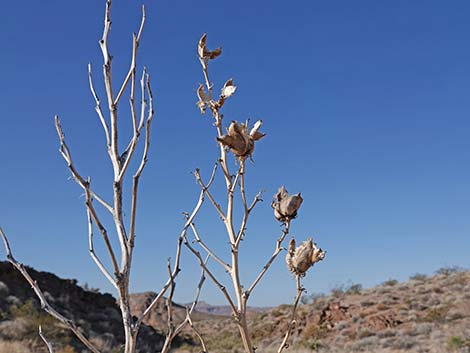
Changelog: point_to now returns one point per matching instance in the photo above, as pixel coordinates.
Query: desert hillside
(424, 314)
(97, 314)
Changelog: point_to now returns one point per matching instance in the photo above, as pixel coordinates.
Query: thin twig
(143, 162)
(176, 269)
(172, 333)
(205, 189)
(44, 303)
(48, 344)
(98, 108)
(160, 294)
(93, 255)
(196, 331)
(212, 277)
(91, 212)
(210, 252)
(65, 152)
(270, 261)
(107, 77)
(291, 325)
(135, 46)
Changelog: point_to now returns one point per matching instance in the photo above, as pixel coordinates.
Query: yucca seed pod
(239, 140)
(300, 259)
(286, 206)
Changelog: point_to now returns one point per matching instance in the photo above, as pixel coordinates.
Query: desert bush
(404, 342)
(367, 302)
(420, 277)
(365, 343)
(448, 270)
(437, 314)
(314, 331)
(354, 289)
(457, 342)
(338, 291)
(382, 306)
(390, 282)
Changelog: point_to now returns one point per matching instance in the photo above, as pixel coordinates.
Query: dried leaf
(204, 53)
(202, 106)
(212, 54)
(203, 99)
(228, 89)
(201, 48)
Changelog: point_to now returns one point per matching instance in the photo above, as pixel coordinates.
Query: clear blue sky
(365, 103)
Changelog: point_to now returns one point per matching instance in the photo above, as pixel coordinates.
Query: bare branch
(205, 189)
(198, 290)
(196, 331)
(270, 261)
(160, 294)
(49, 345)
(143, 162)
(93, 254)
(169, 306)
(65, 152)
(98, 108)
(176, 269)
(212, 277)
(107, 77)
(44, 303)
(93, 215)
(209, 251)
(291, 325)
(128, 153)
(135, 46)
(258, 198)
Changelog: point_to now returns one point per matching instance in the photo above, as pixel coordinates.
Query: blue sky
(365, 105)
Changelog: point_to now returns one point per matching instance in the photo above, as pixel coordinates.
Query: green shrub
(354, 289)
(456, 342)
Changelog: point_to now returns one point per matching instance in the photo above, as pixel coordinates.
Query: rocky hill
(97, 314)
(424, 314)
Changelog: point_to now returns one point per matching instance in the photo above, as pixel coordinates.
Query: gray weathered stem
(48, 344)
(291, 325)
(175, 331)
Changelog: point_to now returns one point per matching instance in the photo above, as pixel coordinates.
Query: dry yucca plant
(236, 138)
(240, 139)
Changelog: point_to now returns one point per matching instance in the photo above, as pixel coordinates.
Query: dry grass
(14, 347)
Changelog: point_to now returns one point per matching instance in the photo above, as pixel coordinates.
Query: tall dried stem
(123, 232)
(241, 142)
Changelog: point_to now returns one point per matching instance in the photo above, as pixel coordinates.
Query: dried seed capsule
(300, 259)
(286, 206)
(239, 140)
